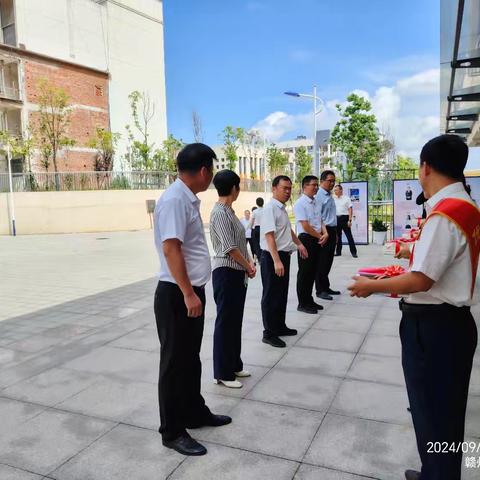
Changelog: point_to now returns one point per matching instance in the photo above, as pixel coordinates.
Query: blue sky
(231, 61)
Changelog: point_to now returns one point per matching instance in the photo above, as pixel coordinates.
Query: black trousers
(229, 292)
(256, 242)
(181, 404)
(325, 261)
(342, 226)
(275, 294)
(307, 269)
(252, 246)
(438, 344)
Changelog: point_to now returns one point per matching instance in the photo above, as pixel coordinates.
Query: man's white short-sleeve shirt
(307, 209)
(177, 215)
(275, 219)
(442, 254)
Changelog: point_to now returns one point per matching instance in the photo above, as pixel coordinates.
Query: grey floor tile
(66, 331)
(472, 421)
(10, 473)
(48, 440)
(307, 472)
(125, 453)
(332, 340)
(314, 361)
(381, 326)
(364, 447)
(111, 399)
(35, 343)
(254, 352)
(374, 401)
(375, 368)
(385, 345)
(357, 311)
(51, 387)
(10, 357)
(224, 462)
(14, 412)
(303, 390)
(119, 363)
(141, 339)
(343, 324)
(261, 427)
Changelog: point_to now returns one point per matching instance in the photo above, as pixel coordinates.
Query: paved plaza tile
(78, 383)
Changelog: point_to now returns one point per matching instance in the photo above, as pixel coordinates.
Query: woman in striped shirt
(232, 267)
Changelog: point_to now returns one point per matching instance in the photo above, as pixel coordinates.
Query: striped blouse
(227, 233)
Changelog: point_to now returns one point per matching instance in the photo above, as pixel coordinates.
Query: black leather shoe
(185, 445)
(317, 306)
(307, 309)
(412, 475)
(212, 421)
(333, 292)
(354, 255)
(324, 296)
(274, 342)
(338, 254)
(287, 332)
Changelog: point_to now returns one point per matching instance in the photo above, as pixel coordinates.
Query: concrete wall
(94, 211)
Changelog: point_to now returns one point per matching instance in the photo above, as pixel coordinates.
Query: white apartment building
(93, 49)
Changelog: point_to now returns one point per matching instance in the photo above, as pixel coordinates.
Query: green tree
(303, 162)
(105, 142)
(168, 156)
(356, 135)
(51, 127)
(277, 161)
(142, 154)
(404, 168)
(232, 138)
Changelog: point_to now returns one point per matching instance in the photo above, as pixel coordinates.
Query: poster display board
(405, 209)
(358, 193)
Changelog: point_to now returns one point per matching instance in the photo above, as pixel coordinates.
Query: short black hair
(259, 201)
(325, 174)
(307, 179)
(194, 156)
(279, 178)
(254, 208)
(339, 185)
(446, 154)
(224, 181)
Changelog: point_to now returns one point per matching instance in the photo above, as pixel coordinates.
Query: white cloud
(408, 109)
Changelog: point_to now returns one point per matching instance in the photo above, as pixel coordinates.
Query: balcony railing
(9, 93)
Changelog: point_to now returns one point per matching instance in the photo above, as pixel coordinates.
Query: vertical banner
(405, 209)
(406, 212)
(358, 193)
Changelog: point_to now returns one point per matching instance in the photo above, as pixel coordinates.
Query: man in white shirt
(312, 233)
(180, 301)
(248, 230)
(278, 241)
(438, 332)
(255, 222)
(344, 208)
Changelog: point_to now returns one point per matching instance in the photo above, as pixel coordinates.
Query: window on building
(7, 20)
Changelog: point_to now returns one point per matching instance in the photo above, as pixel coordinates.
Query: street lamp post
(10, 200)
(316, 111)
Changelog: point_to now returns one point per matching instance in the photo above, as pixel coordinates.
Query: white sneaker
(229, 383)
(243, 373)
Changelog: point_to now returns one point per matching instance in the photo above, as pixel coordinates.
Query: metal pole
(10, 199)
(316, 166)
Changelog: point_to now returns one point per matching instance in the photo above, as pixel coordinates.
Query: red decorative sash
(466, 216)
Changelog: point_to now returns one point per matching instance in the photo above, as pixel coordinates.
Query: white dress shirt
(246, 226)
(442, 254)
(177, 215)
(342, 204)
(275, 219)
(256, 219)
(307, 209)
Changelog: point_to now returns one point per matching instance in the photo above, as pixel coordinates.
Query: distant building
(251, 163)
(98, 51)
